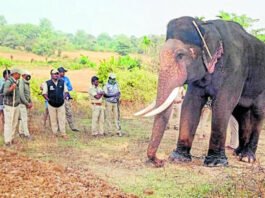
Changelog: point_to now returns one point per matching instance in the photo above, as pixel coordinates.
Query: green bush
(84, 60)
(5, 63)
(36, 92)
(136, 85)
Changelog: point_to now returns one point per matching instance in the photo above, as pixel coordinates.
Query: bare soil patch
(24, 177)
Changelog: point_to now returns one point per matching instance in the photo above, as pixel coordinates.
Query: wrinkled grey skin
(236, 84)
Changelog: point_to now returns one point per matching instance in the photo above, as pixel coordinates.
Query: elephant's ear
(215, 45)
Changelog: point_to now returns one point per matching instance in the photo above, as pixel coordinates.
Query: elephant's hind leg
(249, 131)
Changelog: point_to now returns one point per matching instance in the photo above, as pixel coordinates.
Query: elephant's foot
(245, 154)
(157, 163)
(177, 156)
(214, 159)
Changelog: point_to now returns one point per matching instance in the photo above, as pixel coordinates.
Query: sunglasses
(57, 73)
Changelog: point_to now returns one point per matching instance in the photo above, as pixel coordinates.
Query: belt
(98, 104)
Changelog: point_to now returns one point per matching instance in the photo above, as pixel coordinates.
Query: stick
(204, 43)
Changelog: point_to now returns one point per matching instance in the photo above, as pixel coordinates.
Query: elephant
(218, 60)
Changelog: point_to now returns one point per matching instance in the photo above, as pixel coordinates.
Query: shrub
(136, 85)
(5, 63)
(84, 60)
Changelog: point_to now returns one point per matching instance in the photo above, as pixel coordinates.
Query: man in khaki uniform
(26, 103)
(96, 93)
(54, 92)
(11, 103)
(174, 118)
(112, 95)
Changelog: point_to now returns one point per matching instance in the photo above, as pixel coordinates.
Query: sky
(129, 17)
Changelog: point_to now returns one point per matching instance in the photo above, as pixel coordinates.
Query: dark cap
(61, 69)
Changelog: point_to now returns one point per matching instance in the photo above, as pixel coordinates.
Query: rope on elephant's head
(203, 40)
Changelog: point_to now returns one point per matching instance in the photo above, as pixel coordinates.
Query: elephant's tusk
(165, 105)
(148, 108)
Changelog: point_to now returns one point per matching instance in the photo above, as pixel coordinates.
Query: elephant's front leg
(190, 117)
(220, 118)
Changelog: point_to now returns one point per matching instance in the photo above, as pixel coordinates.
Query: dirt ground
(24, 177)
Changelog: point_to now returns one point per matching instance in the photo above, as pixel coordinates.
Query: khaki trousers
(206, 114)
(69, 114)
(174, 118)
(23, 121)
(57, 118)
(112, 117)
(233, 127)
(11, 122)
(97, 120)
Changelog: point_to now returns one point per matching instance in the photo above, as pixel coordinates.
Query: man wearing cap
(54, 91)
(68, 106)
(26, 103)
(112, 95)
(11, 102)
(96, 94)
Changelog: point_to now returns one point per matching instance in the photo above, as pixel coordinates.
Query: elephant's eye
(179, 56)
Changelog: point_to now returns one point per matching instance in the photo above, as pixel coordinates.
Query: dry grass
(122, 161)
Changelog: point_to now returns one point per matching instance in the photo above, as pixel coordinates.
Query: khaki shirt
(24, 91)
(93, 92)
(8, 96)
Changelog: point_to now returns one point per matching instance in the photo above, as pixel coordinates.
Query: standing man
(68, 106)
(96, 94)
(6, 75)
(54, 91)
(26, 103)
(112, 95)
(11, 102)
(174, 119)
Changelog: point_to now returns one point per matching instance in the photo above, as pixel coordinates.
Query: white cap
(25, 72)
(112, 75)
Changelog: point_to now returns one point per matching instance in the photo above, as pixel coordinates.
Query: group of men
(111, 94)
(15, 99)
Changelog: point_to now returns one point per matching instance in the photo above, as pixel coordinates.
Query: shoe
(29, 137)
(119, 133)
(65, 137)
(22, 135)
(76, 130)
(8, 144)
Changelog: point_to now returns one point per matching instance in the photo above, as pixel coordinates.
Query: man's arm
(45, 91)
(21, 93)
(68, 84)
(9, 87)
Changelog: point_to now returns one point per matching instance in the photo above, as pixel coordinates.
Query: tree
(2, 20)
(122, 44)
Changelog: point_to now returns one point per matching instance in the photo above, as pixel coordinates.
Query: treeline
(43, 39)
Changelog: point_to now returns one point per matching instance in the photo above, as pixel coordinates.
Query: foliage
(84, 60)
(5, 63)
(246, 22)
(136, 85)
(36, 92)
(43, 39)
(243, 20)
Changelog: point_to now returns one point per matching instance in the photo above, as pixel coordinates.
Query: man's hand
(30, 105)
(12, 87)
